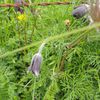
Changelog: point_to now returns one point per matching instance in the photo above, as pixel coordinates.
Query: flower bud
(35, 64)
(19, 9)
(80, 11)
(36, 61)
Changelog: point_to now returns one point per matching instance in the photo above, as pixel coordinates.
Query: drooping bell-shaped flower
(92, 9)
(36, 62)
(80, 11)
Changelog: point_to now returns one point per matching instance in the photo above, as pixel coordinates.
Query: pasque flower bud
(80, 11)
(92, 9)
(18, 8)
(36, 62)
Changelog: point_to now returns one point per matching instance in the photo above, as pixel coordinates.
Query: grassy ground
(70, 68)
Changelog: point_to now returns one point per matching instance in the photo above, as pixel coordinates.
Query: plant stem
(70, 46)
(33, 92)
(52, 38)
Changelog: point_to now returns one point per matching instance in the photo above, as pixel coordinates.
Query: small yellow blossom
(67, 22)
(22, 17)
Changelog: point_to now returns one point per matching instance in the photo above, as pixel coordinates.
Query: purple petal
(80, 11)
(35, 63)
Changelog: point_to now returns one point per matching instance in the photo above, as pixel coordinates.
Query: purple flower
(19, 9)
(35, 64)
(80, 11)
(36, 61)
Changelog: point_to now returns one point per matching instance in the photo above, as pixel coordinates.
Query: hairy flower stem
(19, 35)
(41, 47)
(25, 39)
(52, 38)
(33, 29)
(33, 92)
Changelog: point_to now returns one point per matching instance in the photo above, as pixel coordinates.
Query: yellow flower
(67, 22)
(22, 17)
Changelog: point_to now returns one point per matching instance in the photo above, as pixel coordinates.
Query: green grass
(70, 68)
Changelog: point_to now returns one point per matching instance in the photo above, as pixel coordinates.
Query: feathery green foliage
(71, 57)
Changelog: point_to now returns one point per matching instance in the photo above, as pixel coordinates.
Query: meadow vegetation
(70, 68)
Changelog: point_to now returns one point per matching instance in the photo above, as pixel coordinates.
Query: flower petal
(36, 63)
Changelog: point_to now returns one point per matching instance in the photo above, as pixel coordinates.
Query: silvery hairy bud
(18, 8)
(80, 11)
(36, 62)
